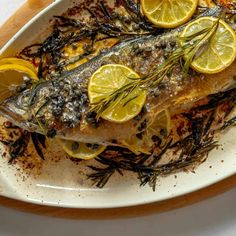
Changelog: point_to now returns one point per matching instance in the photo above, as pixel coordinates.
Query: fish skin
(62, 103)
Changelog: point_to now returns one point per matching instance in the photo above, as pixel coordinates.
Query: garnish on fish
(215, 51)
(15, 73)
(108, 81)
(84, 151)
(202, 45)
(169, 14)
(177, 112)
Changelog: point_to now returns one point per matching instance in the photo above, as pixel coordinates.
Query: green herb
(198, 44)
(105, 23)
(192, 47)
(192, 148)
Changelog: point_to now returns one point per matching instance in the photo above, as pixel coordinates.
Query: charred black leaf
(39, 142)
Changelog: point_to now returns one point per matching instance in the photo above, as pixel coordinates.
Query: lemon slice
(136, 145)
(169, 13)
(108, 79)
(159, 127)
(161, 122)
(12, 76)
(206, 3)
(81, 150)
(220, 51)
(19, 62)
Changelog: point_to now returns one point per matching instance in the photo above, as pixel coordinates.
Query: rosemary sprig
(19, 146)
(192, 148)
(199, 45)
(229, 123)
(191, 47)
(104, 23)
(39, 142)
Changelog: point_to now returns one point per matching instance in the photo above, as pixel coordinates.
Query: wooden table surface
(22, 16)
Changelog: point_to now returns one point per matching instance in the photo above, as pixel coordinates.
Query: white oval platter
(61, 184)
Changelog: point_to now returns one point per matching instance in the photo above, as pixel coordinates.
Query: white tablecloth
(214, 217)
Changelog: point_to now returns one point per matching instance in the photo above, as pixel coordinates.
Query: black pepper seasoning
(51, 133)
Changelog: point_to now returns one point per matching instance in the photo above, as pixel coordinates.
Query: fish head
(15, 110)
(20, 109)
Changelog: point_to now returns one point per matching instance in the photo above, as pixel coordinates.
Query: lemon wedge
(110, 78)
(81, 150)
(220, 50)
(169, 13)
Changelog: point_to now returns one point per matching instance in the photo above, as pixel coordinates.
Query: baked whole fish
(60, 107)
